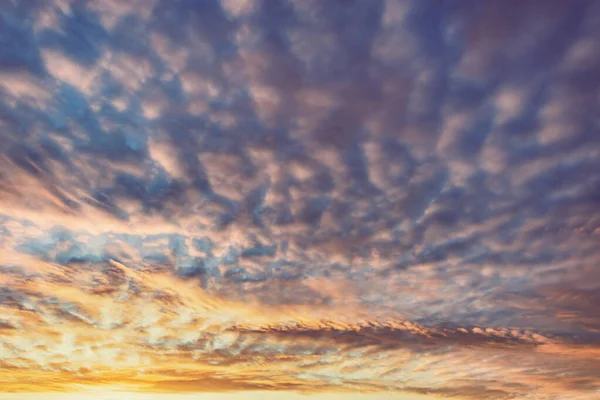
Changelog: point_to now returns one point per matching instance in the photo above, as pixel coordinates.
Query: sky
(300, 199)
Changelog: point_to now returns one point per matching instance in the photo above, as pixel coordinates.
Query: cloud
(234, 195)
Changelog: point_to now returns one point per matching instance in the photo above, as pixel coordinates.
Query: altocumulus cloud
(302, 195)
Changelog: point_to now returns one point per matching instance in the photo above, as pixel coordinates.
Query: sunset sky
(300, 199)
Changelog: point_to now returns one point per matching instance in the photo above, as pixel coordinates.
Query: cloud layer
(314, 196)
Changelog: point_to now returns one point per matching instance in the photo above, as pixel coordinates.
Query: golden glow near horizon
(101, 394)
(156, 333)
